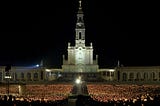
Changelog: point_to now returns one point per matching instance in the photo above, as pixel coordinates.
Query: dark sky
(118, 31)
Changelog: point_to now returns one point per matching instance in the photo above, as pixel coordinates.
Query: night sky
(118, 31)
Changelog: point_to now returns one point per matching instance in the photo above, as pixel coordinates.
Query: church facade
(80, 56)
(80, 62)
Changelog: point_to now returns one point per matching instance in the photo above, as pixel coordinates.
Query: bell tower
(80, 28)
(80, 56)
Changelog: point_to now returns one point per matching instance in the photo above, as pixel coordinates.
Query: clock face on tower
(79, 24)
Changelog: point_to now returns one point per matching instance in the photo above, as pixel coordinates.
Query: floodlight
(48, 70)
(37, 65)
(111, 70)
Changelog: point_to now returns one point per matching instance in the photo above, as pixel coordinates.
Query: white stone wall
(139, 74)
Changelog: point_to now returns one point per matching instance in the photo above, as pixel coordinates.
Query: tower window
(80, 19)
(79, 35)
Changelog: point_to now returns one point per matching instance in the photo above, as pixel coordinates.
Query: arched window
(138, 76)
(35, 75)
(118, 75)
(108, 73)
(28, 76)
(124, 77)
(131, 76)
(112, 74)
(145, 76)
(41, 75)
(104, 73)
(1, 76)
(153, 75)
(22, 75)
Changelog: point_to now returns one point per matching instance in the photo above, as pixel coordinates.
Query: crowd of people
(23, 101)
(100, 95)
(14, 89)
(136, 95)
(48, 92)
(36, 95)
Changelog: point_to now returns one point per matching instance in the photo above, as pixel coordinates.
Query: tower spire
(80, 4)
(80, 7)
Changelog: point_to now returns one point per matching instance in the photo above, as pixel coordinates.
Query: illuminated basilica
(80, 62)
